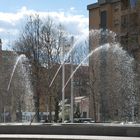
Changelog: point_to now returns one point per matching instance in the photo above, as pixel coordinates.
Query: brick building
(118, 16)
(19, 97)
(121, 17)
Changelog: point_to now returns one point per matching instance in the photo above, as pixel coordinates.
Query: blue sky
(46, 5)
(67, 12)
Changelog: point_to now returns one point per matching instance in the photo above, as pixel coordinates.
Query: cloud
(11, 23)
(2, 30)
(72, 8)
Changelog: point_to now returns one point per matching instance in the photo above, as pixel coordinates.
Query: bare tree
(41, 42)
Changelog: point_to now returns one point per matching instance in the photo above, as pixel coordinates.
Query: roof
(97, 5)
(91, 6)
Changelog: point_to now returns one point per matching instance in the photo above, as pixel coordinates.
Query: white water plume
(115, 78)
(14, 68)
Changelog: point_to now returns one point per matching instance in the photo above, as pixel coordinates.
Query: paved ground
(62, 137)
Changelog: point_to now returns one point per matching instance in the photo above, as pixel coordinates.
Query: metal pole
(63, 84)
(72, 96)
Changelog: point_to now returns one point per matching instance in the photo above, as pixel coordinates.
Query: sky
(73, 14)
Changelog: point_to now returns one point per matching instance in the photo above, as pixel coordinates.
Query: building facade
(122, 17)
(19, 98)
(15, 91)
(119, 16)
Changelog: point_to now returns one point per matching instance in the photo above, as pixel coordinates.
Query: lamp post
(63, 84)
(72, 96)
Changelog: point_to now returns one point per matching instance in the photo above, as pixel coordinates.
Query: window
(124, 4)
(116, 22)
(103, 19)
(124, 21)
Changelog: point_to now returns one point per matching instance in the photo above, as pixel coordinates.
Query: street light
(72, 96)
(63, 83)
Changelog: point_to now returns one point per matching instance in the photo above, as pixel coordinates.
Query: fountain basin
(100, 129)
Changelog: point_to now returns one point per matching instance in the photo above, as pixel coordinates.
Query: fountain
(78, 50)
(114, 72)
(115, 75)
(20, 102)
(15, 65)
(115, 86)
(115, 82)
(115, 90)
